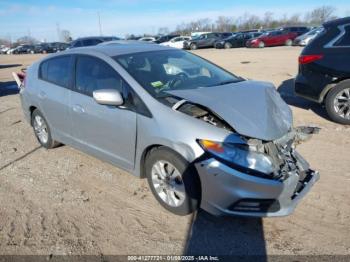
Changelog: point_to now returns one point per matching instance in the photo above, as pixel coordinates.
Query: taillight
(306, 59)
(22, 78)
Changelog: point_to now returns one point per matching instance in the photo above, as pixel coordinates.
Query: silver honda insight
(203, 137)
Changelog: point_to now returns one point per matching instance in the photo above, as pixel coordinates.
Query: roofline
(101, 36)
(339, 21)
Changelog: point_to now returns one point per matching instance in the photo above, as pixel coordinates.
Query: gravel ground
(62, 201)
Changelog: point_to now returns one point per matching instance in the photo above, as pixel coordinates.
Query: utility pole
(99, 23)
(58, 31)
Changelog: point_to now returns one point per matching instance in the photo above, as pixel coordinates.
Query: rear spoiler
(19, 78)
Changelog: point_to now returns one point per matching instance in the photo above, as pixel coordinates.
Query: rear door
(108, 132)
(55, 76)
(278, 38)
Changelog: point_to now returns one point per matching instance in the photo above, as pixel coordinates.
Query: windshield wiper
(227, 82)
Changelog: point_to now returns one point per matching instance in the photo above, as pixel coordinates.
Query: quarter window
(345, 39)
(94, 74)
(56, 70)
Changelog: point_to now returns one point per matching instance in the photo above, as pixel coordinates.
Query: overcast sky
(40, 18)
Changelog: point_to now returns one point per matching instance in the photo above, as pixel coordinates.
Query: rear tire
(337, 103)
(173, 181)
(42, 130)
(288, 42)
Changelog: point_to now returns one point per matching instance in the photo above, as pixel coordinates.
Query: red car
(273, 38)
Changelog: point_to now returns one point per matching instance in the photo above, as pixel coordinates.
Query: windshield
(161, 71)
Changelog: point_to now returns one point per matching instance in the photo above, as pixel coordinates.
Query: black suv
(42, 48)
(205, 40)
(299, 30)
(23, 49)
(236, 40)
(92, 40)
(324, 70)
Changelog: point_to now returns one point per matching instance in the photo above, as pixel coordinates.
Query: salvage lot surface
(62, 201)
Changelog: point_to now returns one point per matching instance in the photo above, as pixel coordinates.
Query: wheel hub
(168, 184)
(40, 129)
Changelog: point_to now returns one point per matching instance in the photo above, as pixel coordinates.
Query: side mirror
(109, 97)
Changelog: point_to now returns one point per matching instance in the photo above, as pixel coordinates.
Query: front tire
(338, 103)
(261, 44)
(228, 45)
(193, 47)
(42, 130)
(173, 181)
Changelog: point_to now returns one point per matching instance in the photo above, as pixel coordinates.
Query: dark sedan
(205, 40)
(237, 40)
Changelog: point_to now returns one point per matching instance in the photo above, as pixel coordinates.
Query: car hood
(254, 109)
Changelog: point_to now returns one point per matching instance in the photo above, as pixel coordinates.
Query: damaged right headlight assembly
(240, 157)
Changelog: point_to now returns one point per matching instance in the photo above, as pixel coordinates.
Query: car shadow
(8, 88)
(286, 90)
(226, 237)
(9, 65)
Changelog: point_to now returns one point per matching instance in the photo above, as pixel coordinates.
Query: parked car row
(253, 38)
(38, 48)
(294, 35)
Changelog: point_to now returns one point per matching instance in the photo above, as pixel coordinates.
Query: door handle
(42, 95)
(78, 109)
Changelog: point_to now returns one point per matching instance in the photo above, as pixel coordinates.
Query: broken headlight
(240, 157)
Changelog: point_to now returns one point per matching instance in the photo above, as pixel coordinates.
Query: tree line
(248, 21)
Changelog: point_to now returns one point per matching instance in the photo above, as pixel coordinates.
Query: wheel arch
(31, 110)
(181, 151)
(330, 86)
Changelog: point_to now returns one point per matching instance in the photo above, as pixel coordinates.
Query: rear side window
(91, 42)
(94, 74)
(77, 44)
(56, 70)
(345, 39)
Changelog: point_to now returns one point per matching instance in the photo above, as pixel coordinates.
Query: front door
(108, 132)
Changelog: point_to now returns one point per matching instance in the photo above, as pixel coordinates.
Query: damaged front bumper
(230, 192)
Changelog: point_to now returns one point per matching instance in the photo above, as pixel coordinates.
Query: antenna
(99, 23)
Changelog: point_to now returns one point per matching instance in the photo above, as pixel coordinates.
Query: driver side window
(94, 74)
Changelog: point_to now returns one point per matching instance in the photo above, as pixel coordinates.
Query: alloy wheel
(168, 183)
(40, 129)
(342, 103)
